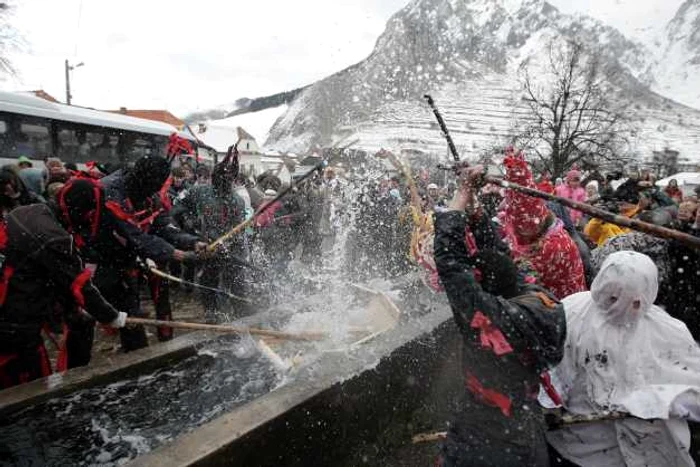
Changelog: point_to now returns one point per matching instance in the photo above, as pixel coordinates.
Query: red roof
(156, 115)
(45, 95)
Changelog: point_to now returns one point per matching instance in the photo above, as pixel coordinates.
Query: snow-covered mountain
(668, 29)
(467, 53)
(678, 52)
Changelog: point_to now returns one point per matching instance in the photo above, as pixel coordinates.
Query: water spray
(265, 206)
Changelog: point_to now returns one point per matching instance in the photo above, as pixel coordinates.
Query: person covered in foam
(625, 354)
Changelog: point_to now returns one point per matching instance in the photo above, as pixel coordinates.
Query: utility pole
(70, 68)
(67, 83)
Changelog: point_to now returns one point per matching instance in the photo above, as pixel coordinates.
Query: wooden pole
(429, 437)
(170, 277)
(563, 420)
(240, 227)
(443, 126)
(617, 219)
(304, 336)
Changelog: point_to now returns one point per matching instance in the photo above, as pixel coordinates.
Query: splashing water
(111, 424)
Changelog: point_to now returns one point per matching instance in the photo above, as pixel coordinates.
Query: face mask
(626, 287)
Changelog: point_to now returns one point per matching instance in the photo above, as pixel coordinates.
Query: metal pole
(67, 83)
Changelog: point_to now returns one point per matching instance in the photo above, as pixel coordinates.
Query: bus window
(32, 139)
(68, 144)
(5, 147)
(136, 145)
(100, 147)
(160, 143)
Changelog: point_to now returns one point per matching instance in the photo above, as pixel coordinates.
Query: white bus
(37, 129)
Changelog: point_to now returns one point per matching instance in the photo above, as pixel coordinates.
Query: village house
(253, 161)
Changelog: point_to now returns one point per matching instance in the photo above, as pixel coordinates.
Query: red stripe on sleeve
(78, 284)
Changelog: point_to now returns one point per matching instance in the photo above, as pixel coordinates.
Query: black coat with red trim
(42, 264)
(148, 230)
(507, 344)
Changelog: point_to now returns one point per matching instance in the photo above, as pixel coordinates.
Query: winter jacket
(552, 255)
(583, 247)
(654, 247)
(574, 194)
(507, 344)
(211, 215)
(683, 301)
(43, 264)
(34, 180)
(600, 231)
(149, 229)
(674, 193)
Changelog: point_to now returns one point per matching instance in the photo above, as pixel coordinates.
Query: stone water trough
(203, 399)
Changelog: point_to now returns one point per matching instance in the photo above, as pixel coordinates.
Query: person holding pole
(511, 331)
(41, 265)
(213, 209)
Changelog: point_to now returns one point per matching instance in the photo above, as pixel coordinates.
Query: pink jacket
(575, 194)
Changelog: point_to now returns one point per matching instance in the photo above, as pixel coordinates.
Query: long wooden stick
(443, 126)
(304, 336)
(170, 277)
(429, 437)
(564, 420)
(240, 227)
(617, 219)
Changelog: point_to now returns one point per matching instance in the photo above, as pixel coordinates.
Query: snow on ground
(258, 124)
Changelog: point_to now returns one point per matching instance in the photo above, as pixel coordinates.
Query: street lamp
(70, 68)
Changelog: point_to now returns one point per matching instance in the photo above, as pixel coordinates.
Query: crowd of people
(80, 246)
(556, 307)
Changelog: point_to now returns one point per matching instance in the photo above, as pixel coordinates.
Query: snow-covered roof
(683, 178)
(26, 104)
(258, 124)
(218, 137)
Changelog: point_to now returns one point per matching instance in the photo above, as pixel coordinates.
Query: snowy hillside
(467, 53)
(668, 29)
(258, 124)
(678, 51)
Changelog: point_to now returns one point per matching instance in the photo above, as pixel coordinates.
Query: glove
(184, 256)
(119, 321)
(203, 252)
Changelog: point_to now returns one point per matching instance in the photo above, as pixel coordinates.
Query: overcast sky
(184, 55)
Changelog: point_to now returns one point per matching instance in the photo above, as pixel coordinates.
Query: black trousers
(160, 293)
(120, 287)
(81, 336)
(25, 366)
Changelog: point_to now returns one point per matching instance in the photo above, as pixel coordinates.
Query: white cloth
(625, 354)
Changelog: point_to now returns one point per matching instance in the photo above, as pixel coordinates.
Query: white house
(252, 160)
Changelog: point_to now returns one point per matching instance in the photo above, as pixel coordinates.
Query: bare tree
(572, 120)
(10, 38)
